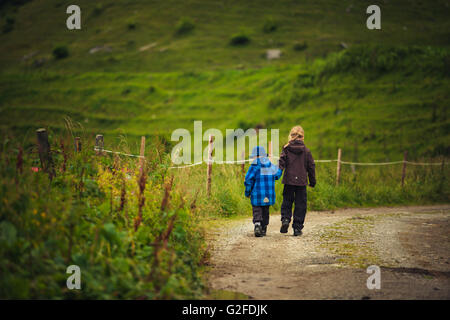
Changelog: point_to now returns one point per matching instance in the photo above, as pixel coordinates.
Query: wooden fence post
(405, 157)
(338, 169)
(99, 143)
(209, 170)
(19, 163)
(44, 152)
(77, 144)
(141, 183)
(141, 154)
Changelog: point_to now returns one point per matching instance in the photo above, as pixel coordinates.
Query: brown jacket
(298, 164)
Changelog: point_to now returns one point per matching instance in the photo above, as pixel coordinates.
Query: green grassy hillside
(397, 102)
(163, 64)
(126, 26)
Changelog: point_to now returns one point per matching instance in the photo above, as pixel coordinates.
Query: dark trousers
(294, 194)
(261, 214)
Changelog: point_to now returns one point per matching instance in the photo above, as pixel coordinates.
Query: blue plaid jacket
(260, 182)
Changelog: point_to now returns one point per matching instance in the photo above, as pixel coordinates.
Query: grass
(40, 26)
(395, 103)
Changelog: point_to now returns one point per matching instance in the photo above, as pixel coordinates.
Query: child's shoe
(297, 232)
(264, 231)
(258, 229)
(284, 226)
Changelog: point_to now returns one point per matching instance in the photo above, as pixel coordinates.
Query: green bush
(184, 26)
(240, 39)
(305, 80)
(300, 46)
(270, 25)
(131, 25)
(245, 124)
(60, 52)
(98, 10)
(9, 24)
(86, 216)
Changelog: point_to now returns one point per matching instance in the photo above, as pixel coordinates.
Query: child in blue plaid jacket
(260, 187)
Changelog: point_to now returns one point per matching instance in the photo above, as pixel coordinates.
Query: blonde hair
(297, 133)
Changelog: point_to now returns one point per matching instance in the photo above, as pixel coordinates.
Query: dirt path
(329, 261)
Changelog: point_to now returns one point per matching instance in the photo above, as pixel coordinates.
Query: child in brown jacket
(299, 168)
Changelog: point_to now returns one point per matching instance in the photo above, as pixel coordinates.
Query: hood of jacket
(264, 162)
(296, 147)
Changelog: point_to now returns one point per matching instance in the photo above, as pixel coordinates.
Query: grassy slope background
(125, 26)
(375, 102)
(372, 117)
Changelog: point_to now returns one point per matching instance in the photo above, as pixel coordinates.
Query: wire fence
(275, 157)
(119, 153)
(47, 162)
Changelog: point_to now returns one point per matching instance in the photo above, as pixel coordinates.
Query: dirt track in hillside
(329, 261)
